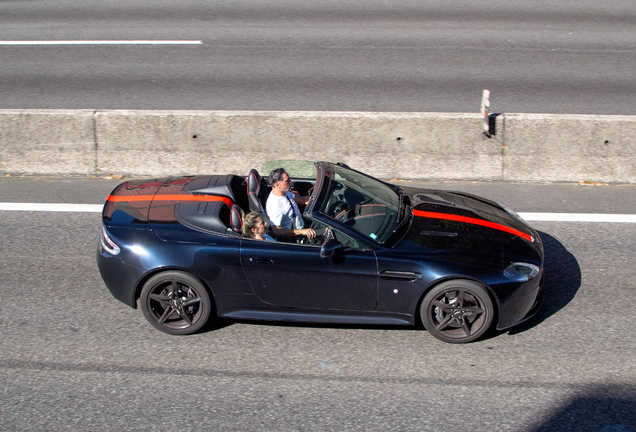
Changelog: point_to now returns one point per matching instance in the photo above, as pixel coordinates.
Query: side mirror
(331, 247)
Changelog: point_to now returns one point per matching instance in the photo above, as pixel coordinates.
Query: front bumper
(523, 305)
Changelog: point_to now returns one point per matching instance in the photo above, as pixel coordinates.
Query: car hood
(458, 221)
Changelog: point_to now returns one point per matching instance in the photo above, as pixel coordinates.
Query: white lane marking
(528, 216)
(579, 217)
(104, 42)
(81, 208)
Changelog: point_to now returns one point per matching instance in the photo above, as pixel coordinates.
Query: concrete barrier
(384, 144)
(541, 147)
(48, 142)
(524, 147)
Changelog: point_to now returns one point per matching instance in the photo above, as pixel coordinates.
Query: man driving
(282, 204)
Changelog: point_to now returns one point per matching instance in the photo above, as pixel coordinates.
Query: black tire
(457, 311)
(175, 303)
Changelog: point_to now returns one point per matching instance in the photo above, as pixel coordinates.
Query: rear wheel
(175, 303)
(457, 311)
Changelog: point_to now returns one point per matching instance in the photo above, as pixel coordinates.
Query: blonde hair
(249, 222)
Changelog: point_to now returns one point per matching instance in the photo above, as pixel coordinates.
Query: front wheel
(457, 311)
(175, 303)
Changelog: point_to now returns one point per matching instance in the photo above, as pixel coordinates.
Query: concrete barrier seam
(96, 143)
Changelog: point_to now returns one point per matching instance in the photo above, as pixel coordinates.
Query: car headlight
(108, 244)
(521, 272)
(513, 214)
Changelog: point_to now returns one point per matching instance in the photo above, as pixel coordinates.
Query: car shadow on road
(561, 283)
(220, 323)
(604, 408)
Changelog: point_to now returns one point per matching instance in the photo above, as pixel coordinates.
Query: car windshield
(296, 169)
(362, 203)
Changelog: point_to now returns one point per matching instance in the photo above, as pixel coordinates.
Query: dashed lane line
(99, 42)
(579, 217)
(46, 207)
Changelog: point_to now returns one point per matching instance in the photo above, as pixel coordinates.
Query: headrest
(236, 218)
(253, 182)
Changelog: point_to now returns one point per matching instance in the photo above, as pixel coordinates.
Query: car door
(295, 275)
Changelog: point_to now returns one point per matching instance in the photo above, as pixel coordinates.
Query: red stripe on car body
(181, 198)
(473, 221)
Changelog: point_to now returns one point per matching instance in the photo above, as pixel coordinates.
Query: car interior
(247, 193)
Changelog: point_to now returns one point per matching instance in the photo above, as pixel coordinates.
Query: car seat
(236, 218)
(257, 192)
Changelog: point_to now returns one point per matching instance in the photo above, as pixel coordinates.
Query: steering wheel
(319, 239)
(325, 236)
(344, 215)
(316, 241)
(336, 207)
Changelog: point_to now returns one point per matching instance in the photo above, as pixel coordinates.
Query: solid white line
(105, 42)
(81, 208)
(528, 216)
(579, 217)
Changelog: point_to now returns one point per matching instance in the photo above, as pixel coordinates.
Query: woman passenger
(254, 227)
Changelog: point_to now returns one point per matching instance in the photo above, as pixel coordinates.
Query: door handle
(262, 260)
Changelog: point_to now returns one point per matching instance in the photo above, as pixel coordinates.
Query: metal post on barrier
(485, 106)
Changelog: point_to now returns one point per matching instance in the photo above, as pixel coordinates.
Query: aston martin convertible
(453, 262)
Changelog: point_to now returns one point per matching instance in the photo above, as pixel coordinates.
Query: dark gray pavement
(74, 358)
(567, 57)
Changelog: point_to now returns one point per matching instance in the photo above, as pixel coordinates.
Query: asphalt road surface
(74, 358)
(574, 57)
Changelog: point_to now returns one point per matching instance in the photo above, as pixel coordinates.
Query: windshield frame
(373, 207)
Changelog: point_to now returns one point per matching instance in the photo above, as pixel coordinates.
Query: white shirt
(281, 211)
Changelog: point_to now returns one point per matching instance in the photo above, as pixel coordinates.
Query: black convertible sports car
(385, 254)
